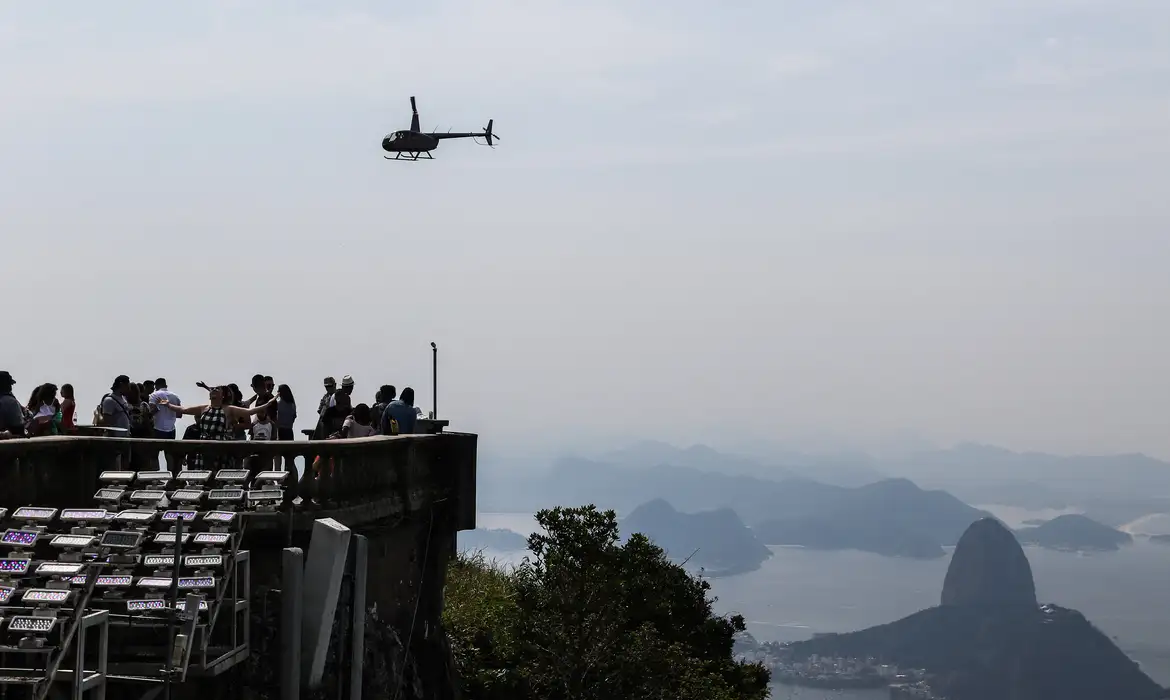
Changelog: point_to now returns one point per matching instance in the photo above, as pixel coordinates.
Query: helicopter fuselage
(409, 142)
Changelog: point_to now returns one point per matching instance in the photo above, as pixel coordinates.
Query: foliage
(586, 618)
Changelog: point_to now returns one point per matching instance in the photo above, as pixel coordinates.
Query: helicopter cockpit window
(393, 136)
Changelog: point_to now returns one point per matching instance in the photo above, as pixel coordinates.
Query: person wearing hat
(113, 411)
(347, 389)
(11, 416)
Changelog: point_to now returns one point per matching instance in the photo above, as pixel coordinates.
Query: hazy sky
(751, 218)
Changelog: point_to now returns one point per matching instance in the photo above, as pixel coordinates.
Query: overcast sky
(704, 220)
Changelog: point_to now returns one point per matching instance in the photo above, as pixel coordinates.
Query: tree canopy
(587, 618)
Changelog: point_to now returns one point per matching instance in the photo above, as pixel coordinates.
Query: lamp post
(434, 381)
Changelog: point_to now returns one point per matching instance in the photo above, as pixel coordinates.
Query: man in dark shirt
(401, 411)
(11, 417)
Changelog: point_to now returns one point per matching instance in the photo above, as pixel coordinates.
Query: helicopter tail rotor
(487, 132)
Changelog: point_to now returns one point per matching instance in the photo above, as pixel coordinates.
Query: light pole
(434, 381)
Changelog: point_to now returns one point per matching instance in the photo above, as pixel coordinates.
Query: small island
(1160, 539)
(716, 540)
(1074, 533)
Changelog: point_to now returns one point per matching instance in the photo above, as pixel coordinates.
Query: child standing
(263, 428)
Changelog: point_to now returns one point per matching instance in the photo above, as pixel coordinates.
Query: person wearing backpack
(113, 411)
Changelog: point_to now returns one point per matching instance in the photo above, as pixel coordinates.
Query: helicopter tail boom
(413, 116)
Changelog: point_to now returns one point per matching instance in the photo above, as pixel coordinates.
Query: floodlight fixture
(116, 477)
(148, 496)
(3, 513)
(84, 514)
(177, 514)
(121, 539)
(188, 495)
(212, 538)
(135, 516)
(203, 561)
(6, 594)
(34, 514)
(32, 623)
(169, 537)
(231, 476)
(197, 582)
(220, 517)
(143, 605)
(182, 605)
(16, 565)
(59, 568)
(46, 595)
(155, 476)
(194, 476)
(157, 561)
(20, 538)
(154, 582)
(73, 541)
(109, 495)
(113, 581)
(275, 477)
(225, 495)
(261, 496)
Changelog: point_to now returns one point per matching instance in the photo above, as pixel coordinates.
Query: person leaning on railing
(11, 414)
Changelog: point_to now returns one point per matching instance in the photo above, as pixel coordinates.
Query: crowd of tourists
(149, 409)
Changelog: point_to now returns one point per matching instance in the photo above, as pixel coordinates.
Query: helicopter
(414, 143)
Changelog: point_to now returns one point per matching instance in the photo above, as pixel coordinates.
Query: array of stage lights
(73, 540)
(32, 623)
(14, 566)
(46, 595)
(176, 514)
(212, 538)
(82, 515)
(34, 513)
(20, 538)
(59, 568)
(116, 539)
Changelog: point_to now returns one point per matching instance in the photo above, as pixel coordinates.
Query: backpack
(99, 415)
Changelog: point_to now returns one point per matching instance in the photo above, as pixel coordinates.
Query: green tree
(586, 618)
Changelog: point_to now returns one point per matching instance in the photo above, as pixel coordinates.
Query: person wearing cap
(11, 416)
(330, 387)
(115, 412)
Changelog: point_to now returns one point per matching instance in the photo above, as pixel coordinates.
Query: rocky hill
(716, 540)
(989, 638)
(1074, 533)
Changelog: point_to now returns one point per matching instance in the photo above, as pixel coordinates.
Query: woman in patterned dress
(216, 420)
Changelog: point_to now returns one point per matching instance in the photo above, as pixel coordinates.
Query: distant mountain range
(1110, 489)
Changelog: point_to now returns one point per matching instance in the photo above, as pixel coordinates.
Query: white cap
(347, 380)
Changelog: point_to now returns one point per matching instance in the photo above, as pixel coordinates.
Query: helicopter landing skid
(411, 156)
